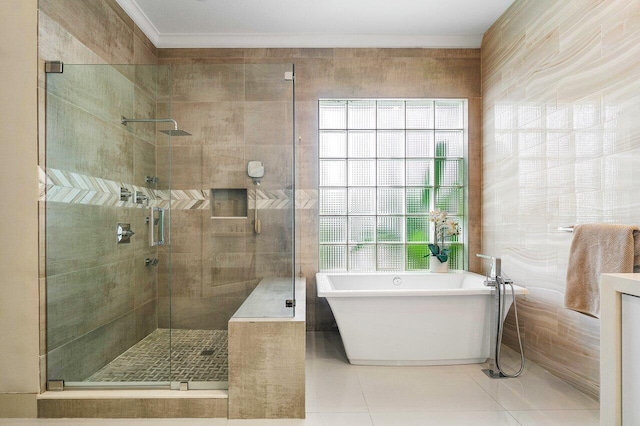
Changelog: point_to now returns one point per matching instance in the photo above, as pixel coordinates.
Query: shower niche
(229, 203)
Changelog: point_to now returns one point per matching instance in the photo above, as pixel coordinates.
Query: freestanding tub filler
(407, 318)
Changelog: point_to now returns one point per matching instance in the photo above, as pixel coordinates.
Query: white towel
(598, 249)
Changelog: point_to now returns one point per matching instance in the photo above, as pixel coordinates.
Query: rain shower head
(173, 132)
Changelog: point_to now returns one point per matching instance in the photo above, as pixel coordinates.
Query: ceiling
(315, 23)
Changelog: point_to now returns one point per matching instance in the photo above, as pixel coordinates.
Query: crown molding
(306, 40)
(292, 40)
(141, 19)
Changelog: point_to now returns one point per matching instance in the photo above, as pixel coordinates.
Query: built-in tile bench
(267, 353)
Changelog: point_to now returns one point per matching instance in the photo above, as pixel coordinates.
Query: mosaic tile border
(74, 188)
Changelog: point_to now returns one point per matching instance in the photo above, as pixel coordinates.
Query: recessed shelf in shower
(229, 203)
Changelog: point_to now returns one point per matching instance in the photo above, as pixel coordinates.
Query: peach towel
(598, 249)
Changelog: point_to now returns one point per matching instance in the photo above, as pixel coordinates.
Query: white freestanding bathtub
(406, 318)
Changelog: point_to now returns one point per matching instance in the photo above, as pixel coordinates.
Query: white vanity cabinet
(630, 360)
(620, 350)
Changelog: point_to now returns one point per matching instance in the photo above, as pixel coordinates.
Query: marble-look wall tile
(559, 88)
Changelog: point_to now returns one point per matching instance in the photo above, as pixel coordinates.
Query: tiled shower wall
(235, 113)
(94, 323)
(561, 146)
(320, 73)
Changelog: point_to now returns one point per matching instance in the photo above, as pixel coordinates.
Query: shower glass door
(104, 193)
(231, 234)
(155, 241)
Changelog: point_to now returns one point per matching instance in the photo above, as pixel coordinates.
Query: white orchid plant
(444, 227)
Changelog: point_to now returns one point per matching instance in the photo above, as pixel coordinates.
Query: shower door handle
(159, 222)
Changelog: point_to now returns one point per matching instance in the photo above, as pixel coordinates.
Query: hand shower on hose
(496, 279)
(255, 170)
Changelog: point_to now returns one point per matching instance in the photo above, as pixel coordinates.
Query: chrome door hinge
(53, 67)
(55, 385)
(288, 76)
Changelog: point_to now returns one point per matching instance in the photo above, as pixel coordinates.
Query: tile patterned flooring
(148, 360)
(340, 394)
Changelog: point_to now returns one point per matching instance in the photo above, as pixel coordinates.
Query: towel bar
(565, 228)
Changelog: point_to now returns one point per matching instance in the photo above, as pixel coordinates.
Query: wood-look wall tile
(148, 44)
(208, 83)
(55, 43)
(185, 166)
(144, 106)
(146, 319)
(83, 236)
(210, 123)
(186, 231)
(78, 359)
(268, 123)
(184, 273)
(200, 53)
(102, 91)
(97, 24)
(278, 160)
(265, 82)
(224, 167)
(266, 370)
(224, 235)
(73, 310)
(105, 149)
(145, 285)
(314, 78)
(128, 408)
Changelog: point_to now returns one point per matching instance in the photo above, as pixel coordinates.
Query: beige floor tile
(313, 419)
(558, 417)
(397, 389)
(448, 418)
(535, 389)
(333, 386)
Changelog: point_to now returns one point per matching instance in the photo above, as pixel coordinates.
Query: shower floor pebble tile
(341, 394)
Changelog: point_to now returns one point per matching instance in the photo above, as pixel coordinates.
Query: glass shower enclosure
(154, 238)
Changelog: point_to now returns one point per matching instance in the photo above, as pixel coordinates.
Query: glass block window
(384, 164)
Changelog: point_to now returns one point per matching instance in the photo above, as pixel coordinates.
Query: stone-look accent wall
(101, 298)
(321, 73)
(561, 146)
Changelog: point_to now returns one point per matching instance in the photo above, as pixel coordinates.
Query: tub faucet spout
(496, 269)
